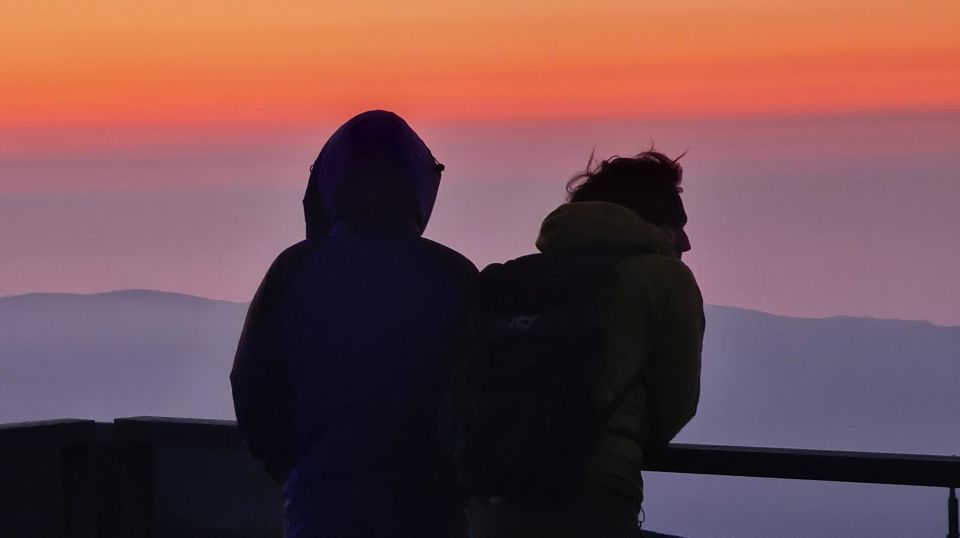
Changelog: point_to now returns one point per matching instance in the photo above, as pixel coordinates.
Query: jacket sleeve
(258, 378)
(674, 382)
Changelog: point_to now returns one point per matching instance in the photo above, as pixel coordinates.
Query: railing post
(953, 527)
(77, 489)
(137, 490)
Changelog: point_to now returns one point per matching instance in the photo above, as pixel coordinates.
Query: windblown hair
(648, 183)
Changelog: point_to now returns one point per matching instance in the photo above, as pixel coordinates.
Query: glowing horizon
(165, 146)
(187, 64)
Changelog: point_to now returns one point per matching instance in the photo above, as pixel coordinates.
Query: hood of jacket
(374, 175)
(601, 226)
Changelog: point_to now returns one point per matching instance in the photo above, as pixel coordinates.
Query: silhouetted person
(350, 340)
(624, 230)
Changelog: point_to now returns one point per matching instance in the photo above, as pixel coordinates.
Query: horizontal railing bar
(68, 430)
(32, 424)
(190, 431)
(179, 422)
(783, 463)
(801, 464)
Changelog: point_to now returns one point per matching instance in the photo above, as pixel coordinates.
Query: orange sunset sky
(122, 64)
(164, 145)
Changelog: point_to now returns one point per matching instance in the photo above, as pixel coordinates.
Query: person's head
(373, 173)
(648, 183)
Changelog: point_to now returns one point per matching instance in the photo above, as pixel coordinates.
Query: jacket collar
(601, 226)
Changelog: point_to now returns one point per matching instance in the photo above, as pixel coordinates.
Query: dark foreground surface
(131, 478)
(167, 477)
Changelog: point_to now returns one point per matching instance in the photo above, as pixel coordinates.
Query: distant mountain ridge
(835, 383)
(172, 295)
(116, 354)
(767, 379)
(126, 293)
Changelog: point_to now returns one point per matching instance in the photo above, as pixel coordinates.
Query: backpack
(521, 417)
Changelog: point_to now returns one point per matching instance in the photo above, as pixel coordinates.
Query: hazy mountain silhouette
(116, 354)
(836, 383)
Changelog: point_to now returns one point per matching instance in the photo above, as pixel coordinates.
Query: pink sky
(807, 216)
(165, 145)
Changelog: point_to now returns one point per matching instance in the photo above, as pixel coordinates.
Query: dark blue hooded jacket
(349, 342)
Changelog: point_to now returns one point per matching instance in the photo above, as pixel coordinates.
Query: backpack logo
(522, 323)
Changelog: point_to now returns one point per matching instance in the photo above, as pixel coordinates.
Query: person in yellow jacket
(629, 207)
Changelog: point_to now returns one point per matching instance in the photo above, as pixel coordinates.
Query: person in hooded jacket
(349, 342)
(628, 207)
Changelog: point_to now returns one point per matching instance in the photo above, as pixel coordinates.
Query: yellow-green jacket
(655, 325)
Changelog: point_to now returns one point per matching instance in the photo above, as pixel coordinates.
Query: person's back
(350, 340)
(629, 212)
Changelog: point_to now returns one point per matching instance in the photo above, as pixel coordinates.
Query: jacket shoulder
(296, 251)
(660, 281)
(291, 257)
(462, 268)
(665, 269)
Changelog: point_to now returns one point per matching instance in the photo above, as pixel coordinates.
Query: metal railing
(823, 465)
(145, 476)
